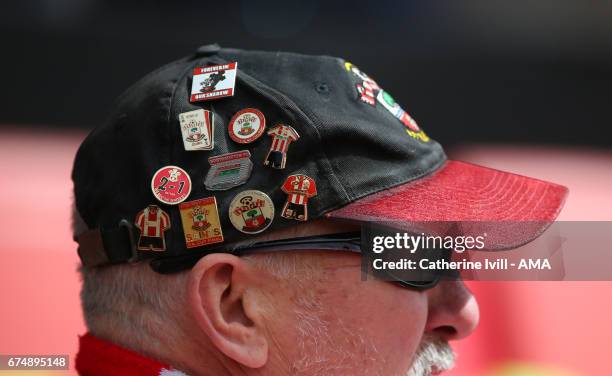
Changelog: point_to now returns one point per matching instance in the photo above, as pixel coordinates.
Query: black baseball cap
(369, 160)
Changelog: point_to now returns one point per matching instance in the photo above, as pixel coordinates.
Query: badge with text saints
(152, 223)
(201, 224)
(299, 188)
(282, 135)
(251, 212)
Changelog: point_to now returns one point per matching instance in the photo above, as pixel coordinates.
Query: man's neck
(100, 357)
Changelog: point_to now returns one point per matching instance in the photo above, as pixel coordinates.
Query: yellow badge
(201, 223)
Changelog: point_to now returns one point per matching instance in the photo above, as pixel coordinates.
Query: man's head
(305, 312)
(164, 223)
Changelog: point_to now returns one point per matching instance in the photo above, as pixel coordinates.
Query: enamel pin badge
(247, 125)
(197, 129)
(152, 223)
(213, 82)
(282, 136)
(251, 212)
(396, 110)
(367, 88)
(371, 93)
(171, 185)
(299, 188)
(201, 224)
(228, 170)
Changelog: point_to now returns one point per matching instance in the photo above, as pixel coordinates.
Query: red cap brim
(463, 192)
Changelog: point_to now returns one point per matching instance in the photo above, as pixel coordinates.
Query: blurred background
(523, 86)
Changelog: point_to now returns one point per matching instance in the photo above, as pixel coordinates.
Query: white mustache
(432, 357)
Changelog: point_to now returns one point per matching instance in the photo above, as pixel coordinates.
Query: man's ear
(225, 309)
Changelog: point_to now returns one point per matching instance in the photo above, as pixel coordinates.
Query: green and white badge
(228, 170)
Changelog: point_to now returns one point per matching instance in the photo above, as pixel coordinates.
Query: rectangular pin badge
(228, 170)
(197, 129)
(213, 82)
(201, 224)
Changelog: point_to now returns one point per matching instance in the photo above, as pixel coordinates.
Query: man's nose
(453, 311)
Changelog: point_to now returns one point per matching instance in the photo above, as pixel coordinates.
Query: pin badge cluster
(228, 170)
(213, 82)
(201, 224)
(251, 211)
(299, 189)
(247, 125)
(171, 185)
(152, 222)
(197, 129)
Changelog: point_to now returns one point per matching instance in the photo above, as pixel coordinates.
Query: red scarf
(97, 357)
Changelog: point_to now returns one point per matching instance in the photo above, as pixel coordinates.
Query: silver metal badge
(228, 170)
(251, 212)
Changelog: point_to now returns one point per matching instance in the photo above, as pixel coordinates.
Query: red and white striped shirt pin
(299, 189)
(282, 136)
(152, 223)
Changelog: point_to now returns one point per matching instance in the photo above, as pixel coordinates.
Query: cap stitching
(147, 76)
(184, 74)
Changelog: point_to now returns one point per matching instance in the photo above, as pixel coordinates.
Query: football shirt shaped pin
(282, 136)
(152, 223)
(299, 188)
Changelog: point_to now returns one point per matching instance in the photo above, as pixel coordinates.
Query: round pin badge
(251, 212)
(247, 125)
(171, 185)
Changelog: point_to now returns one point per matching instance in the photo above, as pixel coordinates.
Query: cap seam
(148, 75)
(173, 94)
(109, 120)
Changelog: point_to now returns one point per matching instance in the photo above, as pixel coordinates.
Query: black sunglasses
(342, 242)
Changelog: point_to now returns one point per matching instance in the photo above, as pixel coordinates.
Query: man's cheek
(390, 319)
(400, 322)
(401, 337)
